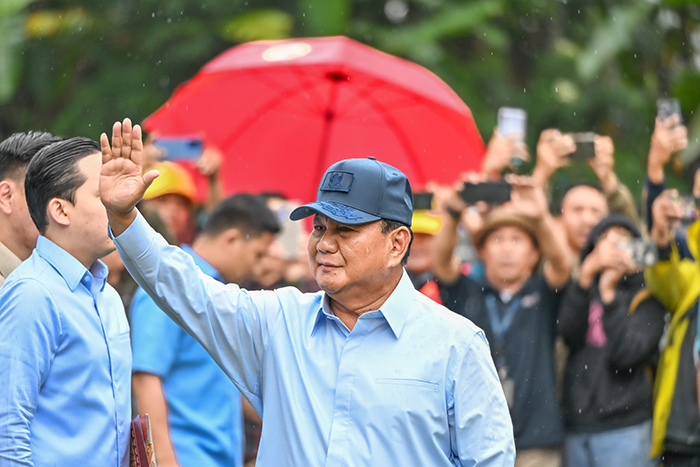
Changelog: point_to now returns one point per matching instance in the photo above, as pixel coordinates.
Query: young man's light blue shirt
(65, 364)
(411, 384)
(204, 408)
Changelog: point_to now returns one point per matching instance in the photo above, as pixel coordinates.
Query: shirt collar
(72, 270)
(203, 264)
(395, 309)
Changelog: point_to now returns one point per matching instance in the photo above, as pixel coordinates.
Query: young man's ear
(7, 188)
(58, 210)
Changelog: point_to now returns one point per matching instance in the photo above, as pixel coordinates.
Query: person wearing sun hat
(367, 371)
(516, 305)
(170, 201)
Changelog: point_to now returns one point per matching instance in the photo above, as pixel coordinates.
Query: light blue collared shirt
(205, 415)
(65, 364)
(412, 384)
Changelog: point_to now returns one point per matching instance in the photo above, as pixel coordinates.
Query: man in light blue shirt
(204, 422)
(65, 358)
(366, 372)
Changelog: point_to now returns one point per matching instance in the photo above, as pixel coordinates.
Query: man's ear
(231, 235)
(59, 210)
(400, 241)
(7, 188)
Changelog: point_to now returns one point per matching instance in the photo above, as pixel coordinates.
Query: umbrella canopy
(283, 111)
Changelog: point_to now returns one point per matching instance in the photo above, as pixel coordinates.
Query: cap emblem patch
(337, 181)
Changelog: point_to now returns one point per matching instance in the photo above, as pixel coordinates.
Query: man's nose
(590, 218)
(327, 243)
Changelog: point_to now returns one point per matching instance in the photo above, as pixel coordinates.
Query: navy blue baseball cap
(357, 191)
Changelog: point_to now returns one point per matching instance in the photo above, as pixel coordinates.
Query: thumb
(149, 176)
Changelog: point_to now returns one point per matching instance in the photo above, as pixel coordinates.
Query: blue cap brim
(340, 213)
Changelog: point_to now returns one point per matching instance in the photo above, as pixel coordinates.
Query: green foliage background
(75, 66)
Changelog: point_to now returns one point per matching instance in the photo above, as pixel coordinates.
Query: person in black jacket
(612, 327)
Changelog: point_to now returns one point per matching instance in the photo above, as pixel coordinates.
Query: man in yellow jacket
(675, 282)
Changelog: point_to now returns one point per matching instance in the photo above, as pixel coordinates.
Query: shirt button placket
(339, 441)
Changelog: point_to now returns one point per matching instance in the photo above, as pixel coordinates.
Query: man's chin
(327, 286)
(108, 249)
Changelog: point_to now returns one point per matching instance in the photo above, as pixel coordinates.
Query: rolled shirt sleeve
(154, 336)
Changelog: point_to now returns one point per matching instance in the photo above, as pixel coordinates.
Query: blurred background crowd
(570, 234)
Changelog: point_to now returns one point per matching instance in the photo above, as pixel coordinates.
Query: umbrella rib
(398, 132)
(376, 84)
(266, 107)
(318, 98)
(328, 119)
(410, 99)
(266, 78)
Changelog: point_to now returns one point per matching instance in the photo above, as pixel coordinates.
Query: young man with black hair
(18, 233)
(582, 206)
(65, 358)
(195, 410)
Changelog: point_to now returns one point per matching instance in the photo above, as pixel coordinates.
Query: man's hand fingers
(126, 139)
(117, 139)
(137, 145)
(106, 150)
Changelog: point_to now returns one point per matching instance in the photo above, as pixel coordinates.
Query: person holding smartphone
(582, 205)
(611, 325)
(516, 305)
(675, 281)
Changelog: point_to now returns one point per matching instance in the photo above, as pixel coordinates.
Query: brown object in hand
(141, 453)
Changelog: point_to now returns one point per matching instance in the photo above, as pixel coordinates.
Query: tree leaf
(8, 7)
(453, 20)
(258, 25)
(612, 36)
(11, 37)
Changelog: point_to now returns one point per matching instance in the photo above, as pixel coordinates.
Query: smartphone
(585, 146)
(181, 147)
(643, 252)
(512, 121)
(422, 201)
(496, 192)
(668, 106)
(689, 208)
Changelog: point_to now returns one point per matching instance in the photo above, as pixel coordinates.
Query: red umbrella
(283, 111)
